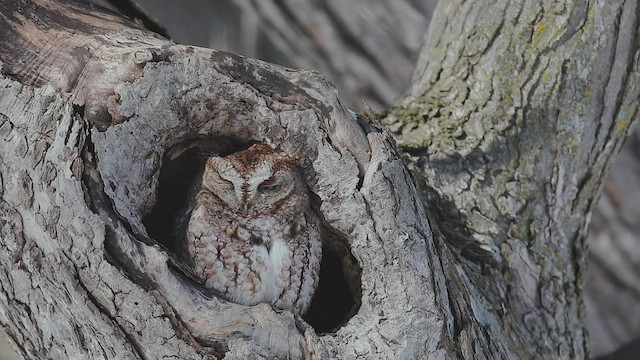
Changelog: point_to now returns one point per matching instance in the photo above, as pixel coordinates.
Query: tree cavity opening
(337, 297)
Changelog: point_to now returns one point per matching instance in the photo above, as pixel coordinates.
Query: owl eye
(270, 184)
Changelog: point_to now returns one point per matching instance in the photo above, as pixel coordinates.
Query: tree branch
(515, 113)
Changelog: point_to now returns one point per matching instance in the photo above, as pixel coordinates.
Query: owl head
(253, 181)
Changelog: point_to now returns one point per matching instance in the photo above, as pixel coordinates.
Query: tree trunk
(613, 236)
(515, 113)
(87, 124)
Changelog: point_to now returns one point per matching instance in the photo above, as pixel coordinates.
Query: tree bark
(613, 235)
(514, 115)
(87, 121)
(86, 126)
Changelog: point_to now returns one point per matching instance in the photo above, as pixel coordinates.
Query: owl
(250, 231)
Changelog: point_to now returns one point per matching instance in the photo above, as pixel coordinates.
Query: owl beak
(248, 203)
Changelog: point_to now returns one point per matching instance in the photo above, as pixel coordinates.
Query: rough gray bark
(473, 325)
(368, 49)
(86, 122)
(515, 113)
(613, 235)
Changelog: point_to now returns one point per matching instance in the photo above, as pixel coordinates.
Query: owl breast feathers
(251, 232)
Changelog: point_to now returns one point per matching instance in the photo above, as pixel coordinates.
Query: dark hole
(176, 180)
(337, 297)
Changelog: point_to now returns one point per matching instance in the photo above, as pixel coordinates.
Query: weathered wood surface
(462, 122)
(514, 116)
(86, 121)
(613, 236)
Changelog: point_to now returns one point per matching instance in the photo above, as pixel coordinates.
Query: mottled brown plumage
(251, 232)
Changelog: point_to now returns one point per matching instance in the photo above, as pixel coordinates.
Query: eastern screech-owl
(251, 232)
